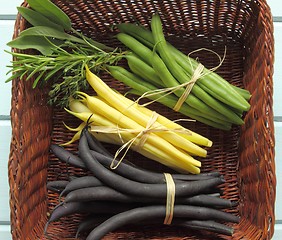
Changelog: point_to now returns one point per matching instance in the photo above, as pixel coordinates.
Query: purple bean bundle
(130, 194)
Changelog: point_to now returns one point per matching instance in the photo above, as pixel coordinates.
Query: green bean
(96, 145)
(238, 112)
(145, 176)
(143, 70)
(104, 193)
(135, 82)
(205, 225)
(243, 92)
(81, 182)
(137, 47)
(215, 104)
(140, 33)
(89, 222)
(66, 156)
(163, 50)
(66, 209)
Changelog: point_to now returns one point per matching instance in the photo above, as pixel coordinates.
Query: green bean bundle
(155, 64)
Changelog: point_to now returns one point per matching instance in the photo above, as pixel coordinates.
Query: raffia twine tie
(145, 133)
(197, 74)
(170, 198)
(142, 135)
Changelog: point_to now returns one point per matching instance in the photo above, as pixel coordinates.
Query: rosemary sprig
(62, 52)
(65, 69)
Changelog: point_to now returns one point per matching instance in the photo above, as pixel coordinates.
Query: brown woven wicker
(245, 156)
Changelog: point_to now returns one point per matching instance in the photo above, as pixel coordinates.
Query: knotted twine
(198, 73)
(170, 198)
(142, 134)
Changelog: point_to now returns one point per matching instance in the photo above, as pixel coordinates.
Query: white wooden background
(7, 17)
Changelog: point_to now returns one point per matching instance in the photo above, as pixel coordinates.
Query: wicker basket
(245, 156)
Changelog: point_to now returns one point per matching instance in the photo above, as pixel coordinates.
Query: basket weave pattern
(245, 156)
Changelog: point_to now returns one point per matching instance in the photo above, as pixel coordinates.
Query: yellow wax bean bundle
(125, 121)
(147, 150)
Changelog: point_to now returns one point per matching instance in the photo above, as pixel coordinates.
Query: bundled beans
(129, 194)
(155, 64)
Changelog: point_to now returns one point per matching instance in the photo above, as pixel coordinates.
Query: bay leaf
(34, 42)
(38, 19)
(51, 11)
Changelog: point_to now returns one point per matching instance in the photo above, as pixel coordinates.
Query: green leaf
(44, 31)
(33, 42)
(51, 11)
(50, 73)
(36, 70)
(49, 32)
(37, 19)
(38, 78)
(13, 76)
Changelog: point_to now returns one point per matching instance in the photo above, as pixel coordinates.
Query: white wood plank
(277, 232)
(9, 7)
(278, 154)
(5, 233)
(277, 83)
(5, 138)
(6, 29)
(276, 7)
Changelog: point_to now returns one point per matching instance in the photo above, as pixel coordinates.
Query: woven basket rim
(20, 151)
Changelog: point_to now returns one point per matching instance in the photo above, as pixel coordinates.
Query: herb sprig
(62, 54)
